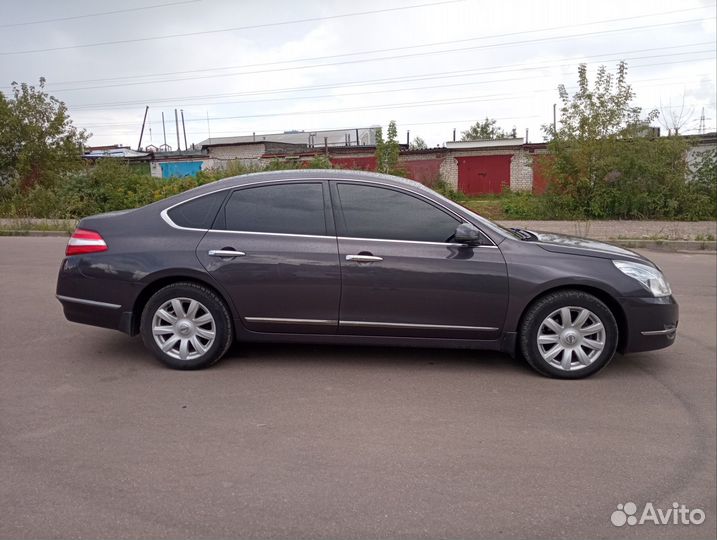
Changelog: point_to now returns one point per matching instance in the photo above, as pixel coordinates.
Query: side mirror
(467, 234)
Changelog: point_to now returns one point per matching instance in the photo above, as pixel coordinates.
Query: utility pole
(209, 131)
(144, 120)
(184, 130)
(176, 124)
(164, 130)
(555, 121)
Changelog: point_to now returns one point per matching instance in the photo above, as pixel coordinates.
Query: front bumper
(651, 323)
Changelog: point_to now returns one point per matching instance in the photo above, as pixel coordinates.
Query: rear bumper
(81, 310)
(97, 302)
(651, 322)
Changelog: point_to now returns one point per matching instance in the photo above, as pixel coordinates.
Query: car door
(401, 274)
(273, 248)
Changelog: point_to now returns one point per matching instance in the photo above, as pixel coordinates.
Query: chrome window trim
(411, 242)
(457, 216)
(272, 234)
(279, 320)
(417, 326)
(86, 302)
(349, 238)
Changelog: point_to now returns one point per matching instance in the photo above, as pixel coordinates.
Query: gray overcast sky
(502, 59)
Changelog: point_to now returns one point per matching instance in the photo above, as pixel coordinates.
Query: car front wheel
(186, 326)
(568, 335)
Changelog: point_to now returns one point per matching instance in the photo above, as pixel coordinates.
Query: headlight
(649, 277)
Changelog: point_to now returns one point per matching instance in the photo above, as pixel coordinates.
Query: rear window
(198, 213)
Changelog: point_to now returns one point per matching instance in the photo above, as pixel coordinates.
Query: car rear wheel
(186, 326)
(568, 335)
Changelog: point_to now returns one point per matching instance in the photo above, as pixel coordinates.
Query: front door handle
(225, 253)
(363, 258)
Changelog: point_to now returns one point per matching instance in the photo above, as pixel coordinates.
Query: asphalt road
(97, 440)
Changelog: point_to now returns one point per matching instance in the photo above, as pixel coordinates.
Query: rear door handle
(363, 258)
(225, 253)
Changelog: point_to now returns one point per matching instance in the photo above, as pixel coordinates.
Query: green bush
(113, 184)
(636, 192)
(447, 191)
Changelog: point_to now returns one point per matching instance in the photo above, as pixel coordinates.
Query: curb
(667, 245)
(16, 232)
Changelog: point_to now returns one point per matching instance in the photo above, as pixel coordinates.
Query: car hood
(561, 243)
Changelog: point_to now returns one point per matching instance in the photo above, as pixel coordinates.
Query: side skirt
(242, 334)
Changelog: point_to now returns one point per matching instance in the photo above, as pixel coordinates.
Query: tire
(591, 324)
(186, 326)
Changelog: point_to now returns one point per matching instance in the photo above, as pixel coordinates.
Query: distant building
(113, 150)
(180, 163)
(471, 167)
(310, 139)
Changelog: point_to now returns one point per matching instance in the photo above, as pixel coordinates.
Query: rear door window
(294, 208)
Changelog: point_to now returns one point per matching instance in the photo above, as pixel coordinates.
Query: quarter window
(280, 208)
(198, 213)
(374, 212)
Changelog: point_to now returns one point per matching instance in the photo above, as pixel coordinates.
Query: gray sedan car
(348, 257)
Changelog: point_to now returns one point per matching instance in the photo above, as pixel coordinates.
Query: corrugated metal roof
(333, 136)
(115, 152)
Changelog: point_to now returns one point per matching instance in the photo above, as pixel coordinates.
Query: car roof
(323, 174)
(299, 174)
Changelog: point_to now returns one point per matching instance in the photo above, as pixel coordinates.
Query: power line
(233, 29)
(97, 14)
(394, 80)
(374, 51)
(324, 128)
(409, 104)
(443, 101)
(399, 122)
(408, 89)
(444, 75)
(358, 61)
(501, 96)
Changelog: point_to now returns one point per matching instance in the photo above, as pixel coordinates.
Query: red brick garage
(478, 175)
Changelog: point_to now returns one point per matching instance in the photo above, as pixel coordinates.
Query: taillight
(84, 241)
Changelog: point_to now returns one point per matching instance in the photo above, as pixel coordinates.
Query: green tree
(485, 130)
(387, 150)
(418, 144)
(38, 142)
(602, 158)
(702, 184)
